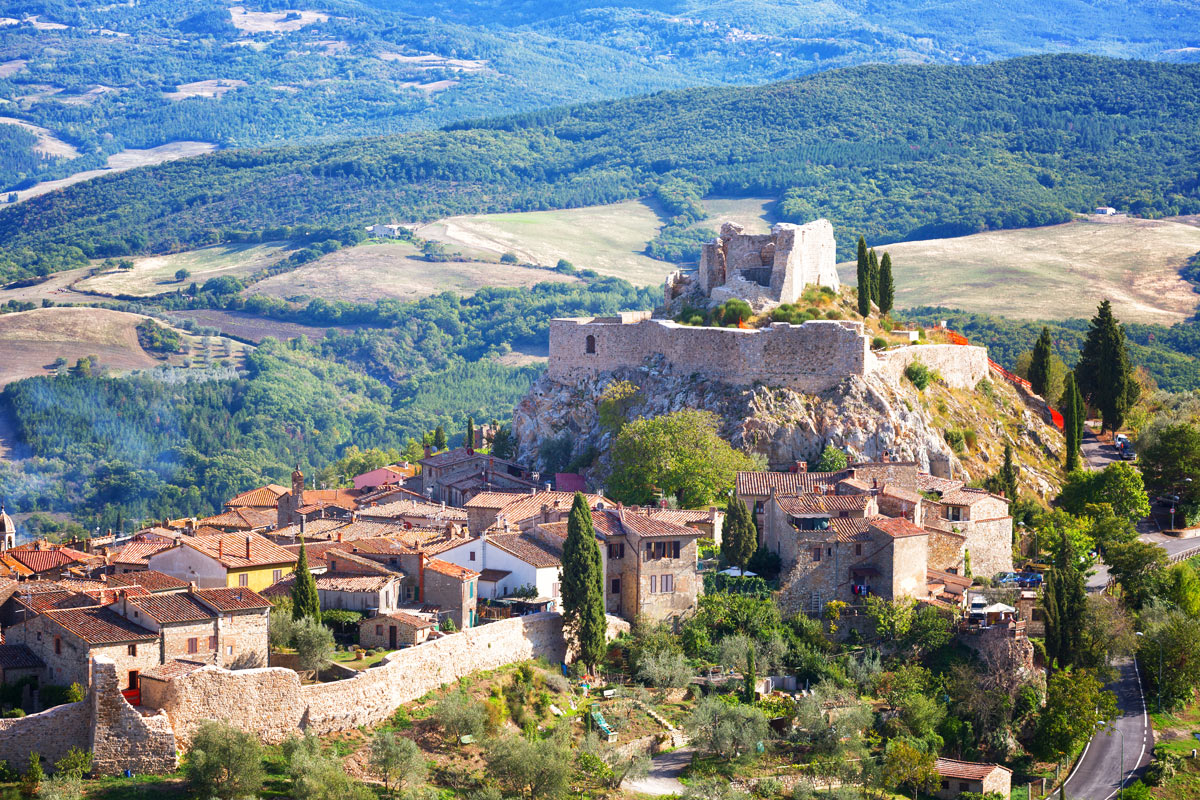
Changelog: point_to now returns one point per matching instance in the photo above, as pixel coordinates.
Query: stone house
(66, 640)
(300, 503)
(245, 560)
(241, 519)
(243, 626)
(455, 476)
(521, 510)
(510, 561)
(971, 776)
(18, 662)
(394, 630)
(384, 476)
(45, 561)
(350, 582)
(152, 581)
(412, 512)
(186, 627)
(755, 488)
(132, 556)
(983, 522)
(453, 589)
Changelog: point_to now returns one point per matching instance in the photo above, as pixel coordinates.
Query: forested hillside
(100, 77)
(889, 152)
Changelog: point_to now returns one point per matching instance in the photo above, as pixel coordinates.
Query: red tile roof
(345, 498)
(137, 552)
(399, 616)
(232, 599)
(100, 626)
(968, 497)
(341, 582)
(966, 770)
(450, 570)
(897, 527)
(532, 551)
(173, 669)
(149, 579)
(822, 503)
(18, 656)
(46, 560)
(640, 524)
(169, 608)
(242, 519)
(240, 550)
(10, 566)
(520, 506)
(759, 484)
(850, 529)
(262, 497)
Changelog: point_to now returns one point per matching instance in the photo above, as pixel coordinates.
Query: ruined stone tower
(769, 269)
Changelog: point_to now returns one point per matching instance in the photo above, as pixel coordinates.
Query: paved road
(1097, 454)
(1099, 773)
(663, 778)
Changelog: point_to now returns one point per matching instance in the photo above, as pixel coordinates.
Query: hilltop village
(418, 575)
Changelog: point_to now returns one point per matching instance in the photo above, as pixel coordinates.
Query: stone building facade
(971, 776)
(68, 640)
(395, 630)
(772, 268)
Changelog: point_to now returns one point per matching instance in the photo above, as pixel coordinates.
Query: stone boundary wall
(271, 702)
(961, 366)
(809, 358)
(119, 737)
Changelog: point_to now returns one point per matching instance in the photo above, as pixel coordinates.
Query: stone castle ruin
(768, 269)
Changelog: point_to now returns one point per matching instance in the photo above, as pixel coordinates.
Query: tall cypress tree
(739, 537)
(583, 585)
(873, 270)
(1104, 375)
(1039, 367)
(439, 438)
(864, 279)
(1008, 474)
(305, 600)
(1070, 410)
(887, 286)
(1064, 599)
(469, 438)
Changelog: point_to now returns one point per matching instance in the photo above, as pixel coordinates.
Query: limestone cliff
(869, 416)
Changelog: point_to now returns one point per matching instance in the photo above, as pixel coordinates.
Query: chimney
(533, 490)
(247, 547)
(421, 576)
(801, 466)
(302, 524)
(428, 451)
(339, 534)
(192, 587)
(220, 547)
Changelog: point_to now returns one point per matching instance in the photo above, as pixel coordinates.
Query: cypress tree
(864, 279)
(1066, 592)
(1104, 375)
(750, 679)
(1008, 474)
(887, 286)
(739, 537)
(1039, 367)
(873, 271)
(1070, 412)
(583, 585)
(469, 438)
(305, 600)
(439, 438)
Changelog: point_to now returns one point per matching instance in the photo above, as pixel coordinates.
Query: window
(614, 586)
(471, 590)
(945, 784)
(964, 787)
(212, 643)
(379, 630)
(858, 549)
(816, 554)
(228, 649)
(653, 584)
(57, 646)
(132, 650)
(556, 589)
(276, 576)
(666, 584)
(243, 579)
(758, 506)
(472, 555)
(591, 343)
(955, 513)
(193, 645)
(616, 550)
(134, 679)
(658, 550)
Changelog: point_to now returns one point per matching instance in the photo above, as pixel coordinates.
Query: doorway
(391, 637)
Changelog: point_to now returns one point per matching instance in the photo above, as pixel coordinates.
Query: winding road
(1116, 758)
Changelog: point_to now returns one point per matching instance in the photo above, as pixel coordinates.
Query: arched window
(591, 343)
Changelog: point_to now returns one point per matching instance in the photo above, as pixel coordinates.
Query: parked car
(1006, 578)
(978, 604)
(1030, 580)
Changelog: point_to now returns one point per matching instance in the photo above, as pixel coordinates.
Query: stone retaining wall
(961, 366)
(50, 734)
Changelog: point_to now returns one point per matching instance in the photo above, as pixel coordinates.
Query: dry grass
(608, 239)
(273, 21)
(47, 143)
(249, 326)
(395, 269)
(10, 68)
(119, 162)
(427, 61)
(156, 274)
(210, 88)
(1054, 272)
(749, 212)
(32, 340)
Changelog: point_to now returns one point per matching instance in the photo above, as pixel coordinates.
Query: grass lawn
(1053, 272)
(156, 274)
(349, 659)
(608, 239)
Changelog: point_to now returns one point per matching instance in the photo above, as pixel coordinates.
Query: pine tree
(1008, 474)
(469, 438)
(1104, 375)
(439, 438)
(873, 270)
(583, 585)
(887, 286)
(864, 279)
(1070, 410)
(1039, 367)
(739, 538)
(305, 600)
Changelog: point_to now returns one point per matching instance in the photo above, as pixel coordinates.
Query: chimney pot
(801, 466)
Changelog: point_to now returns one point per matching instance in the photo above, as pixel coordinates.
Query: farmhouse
(970, 776)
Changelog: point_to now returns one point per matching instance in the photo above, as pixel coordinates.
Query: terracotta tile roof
(968, 497)
(365, 529)
(850, 529)
(343, 498)
(535, 552)
(758, 484)
(341, 582)
(451, 570)
(966, 770)
(169, 608)
(313, 529)
(681, 516)
(380, 545)
(822, 503)
(18, 656)
(281, 587)
(857, 484)
(410, 620)
(10, 566)
(262, 497)
(39, 561)
(239, 550)
(900, 493)
(640, 524)
(149, 579)
(493, 575)
(491, 479)
(173, 669)
(339, 556)
(314, 552)
(7, 587)
(897, 527)
(947, 579)
(82, 585)
(930, 483)
(137, 552)
(232, 599)
(243, 519)
(461, 454)
(98, 626)
(389, 494)
(50, 600)
(520, 506)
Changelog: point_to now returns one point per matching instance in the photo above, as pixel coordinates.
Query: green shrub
(224, 762)
(918, 375)
(13, 713)
(971, 438)
(509, 258)
(731, 312)
(76, 762)
(878, 343)
(956, 440)
(833, 313)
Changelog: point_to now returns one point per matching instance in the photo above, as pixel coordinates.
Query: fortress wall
(811, 357)
(961, 366)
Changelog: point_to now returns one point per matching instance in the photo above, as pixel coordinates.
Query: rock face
(869, 416)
